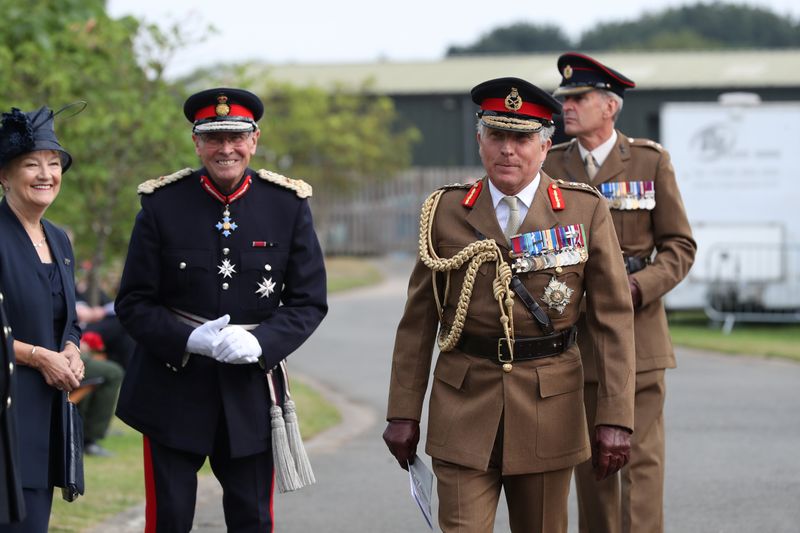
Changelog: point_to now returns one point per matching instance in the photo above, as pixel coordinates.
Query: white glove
(201, 340)
(237, 346)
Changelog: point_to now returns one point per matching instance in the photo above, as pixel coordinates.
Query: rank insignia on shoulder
(577, 185)
(472, 195)
(646, 142)
(150, 186)
(300, 187)
(454, 186)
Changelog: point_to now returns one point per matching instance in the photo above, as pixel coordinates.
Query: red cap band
(531, 110)
(210, 111)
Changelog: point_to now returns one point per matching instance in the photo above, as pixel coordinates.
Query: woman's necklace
(40, 243)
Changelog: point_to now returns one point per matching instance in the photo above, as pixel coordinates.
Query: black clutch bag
(69, 451)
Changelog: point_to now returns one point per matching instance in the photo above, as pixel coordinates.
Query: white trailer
(737, 162)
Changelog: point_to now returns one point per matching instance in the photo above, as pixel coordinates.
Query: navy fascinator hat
(21, 133)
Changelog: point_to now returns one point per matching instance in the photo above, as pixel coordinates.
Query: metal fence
(753, 283)
(381, 217)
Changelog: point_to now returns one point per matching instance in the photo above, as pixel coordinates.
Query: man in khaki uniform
(637, 178)
(506, 407)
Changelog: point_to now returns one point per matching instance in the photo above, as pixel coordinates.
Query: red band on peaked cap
(564, 59)
(210, 111)
(528, 109)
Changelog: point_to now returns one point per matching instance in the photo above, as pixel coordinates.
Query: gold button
(559, 270)
(507, 367)
(226, 251)
(182, 265)
(267, 267)
(224, 286)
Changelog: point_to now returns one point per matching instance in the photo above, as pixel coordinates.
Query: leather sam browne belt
(525, 348)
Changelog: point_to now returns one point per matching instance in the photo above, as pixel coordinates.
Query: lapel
(614, 164)
(573, 164)
(541, 214)
(23, 241)
(60, 255)
(483, 218)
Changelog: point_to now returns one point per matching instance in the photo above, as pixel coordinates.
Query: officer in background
(224, 279)
(506, 407)
(638, 181)
(12, 504)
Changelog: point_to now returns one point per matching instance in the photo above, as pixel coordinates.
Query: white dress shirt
(600, 153)
(524, 197)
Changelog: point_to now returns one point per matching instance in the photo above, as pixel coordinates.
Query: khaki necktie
(513, 216)
(591, 166)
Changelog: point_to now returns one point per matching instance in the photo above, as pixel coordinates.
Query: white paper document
(421, 480)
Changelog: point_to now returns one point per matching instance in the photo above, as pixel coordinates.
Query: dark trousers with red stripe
(171, 488)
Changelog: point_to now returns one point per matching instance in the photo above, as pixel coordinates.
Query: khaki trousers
(537, 503)
(632, 500)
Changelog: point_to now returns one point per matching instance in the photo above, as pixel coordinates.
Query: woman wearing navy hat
(37, 274)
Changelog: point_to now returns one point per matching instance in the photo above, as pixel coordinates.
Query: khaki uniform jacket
(664, 229)
(538, 406)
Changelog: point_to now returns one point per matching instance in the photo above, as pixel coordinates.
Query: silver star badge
(557, 295)
(266, 288)
(226, 269)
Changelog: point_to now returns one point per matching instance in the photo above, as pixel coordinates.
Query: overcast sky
(336, 31)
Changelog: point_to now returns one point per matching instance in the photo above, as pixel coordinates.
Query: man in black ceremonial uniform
(224, 279)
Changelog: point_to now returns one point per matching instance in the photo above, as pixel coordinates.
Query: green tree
(59, 51)
(333, 137)
(516, 38)
(698, 26)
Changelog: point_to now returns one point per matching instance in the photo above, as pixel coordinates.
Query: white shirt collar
(600, 153)
(525, 195)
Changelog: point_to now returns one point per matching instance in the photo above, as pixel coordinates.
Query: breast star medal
(557, 295)
(227, 269)
(266, 287)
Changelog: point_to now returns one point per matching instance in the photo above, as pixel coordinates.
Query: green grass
(767, 340)
(349, 273)
(113, 484)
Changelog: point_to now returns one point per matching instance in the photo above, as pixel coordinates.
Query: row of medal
(549, 248)
(629, 195)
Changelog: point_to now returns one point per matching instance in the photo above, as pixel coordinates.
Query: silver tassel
(304, 472)
(285, 471)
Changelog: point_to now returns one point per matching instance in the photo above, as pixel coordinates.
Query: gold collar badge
(567, 72)
(513, 100)
(222, 109)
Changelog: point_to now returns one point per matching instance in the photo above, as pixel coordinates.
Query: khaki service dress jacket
(663, 231)
(538, 406)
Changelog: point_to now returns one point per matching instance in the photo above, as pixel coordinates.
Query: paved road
(733, 436)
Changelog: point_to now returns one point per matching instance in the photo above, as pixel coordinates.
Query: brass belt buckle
(507, 366)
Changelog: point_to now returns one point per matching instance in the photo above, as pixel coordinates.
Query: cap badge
(567, 72)
(222, 109)
(513, 100)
